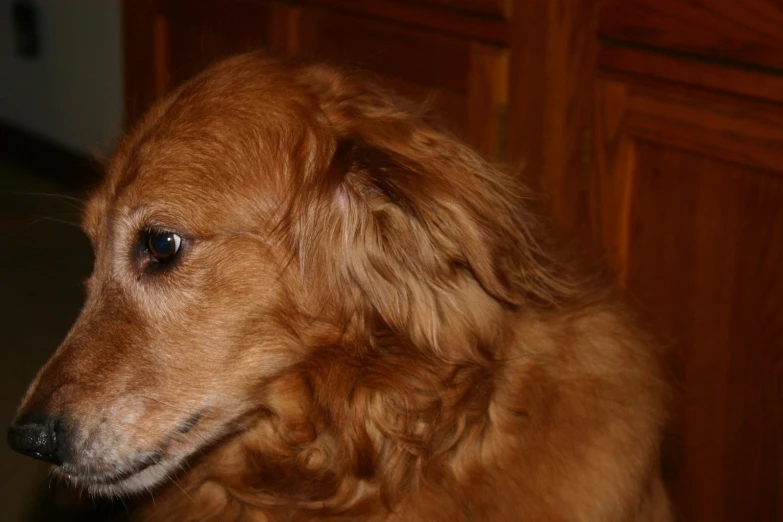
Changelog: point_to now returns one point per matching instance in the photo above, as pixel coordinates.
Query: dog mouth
(114, 478)
(141, 473)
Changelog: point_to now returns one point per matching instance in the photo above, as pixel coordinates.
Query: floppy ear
(436, 241)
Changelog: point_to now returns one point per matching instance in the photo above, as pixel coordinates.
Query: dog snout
(40, 437)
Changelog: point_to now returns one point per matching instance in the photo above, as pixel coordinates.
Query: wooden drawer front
(485, 20)
(498, 8)
(745, 31)
(466, 81)
(719, 77)
(191, 34)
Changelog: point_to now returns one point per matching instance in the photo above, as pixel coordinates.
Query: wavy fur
(378, 324)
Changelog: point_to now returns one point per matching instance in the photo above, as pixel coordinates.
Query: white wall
(72, 92)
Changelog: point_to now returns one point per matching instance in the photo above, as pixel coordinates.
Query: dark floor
(43, 260)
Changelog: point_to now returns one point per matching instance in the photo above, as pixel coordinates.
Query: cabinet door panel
(486, 7)
(194, 34)
(168, 41)
(687, 207)
(742, 31)
(464, 80)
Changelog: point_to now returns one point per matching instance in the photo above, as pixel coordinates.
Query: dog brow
(90, 220)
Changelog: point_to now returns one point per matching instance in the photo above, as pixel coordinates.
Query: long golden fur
(365, 321)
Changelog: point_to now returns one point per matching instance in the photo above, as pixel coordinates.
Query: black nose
(37, 439)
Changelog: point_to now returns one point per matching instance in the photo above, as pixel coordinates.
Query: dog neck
(346, 430)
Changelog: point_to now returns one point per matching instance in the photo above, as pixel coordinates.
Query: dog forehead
(217, 153)
(178, 186)
(203, 202)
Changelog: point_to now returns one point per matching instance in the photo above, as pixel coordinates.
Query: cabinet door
(465, 80)
(484, 7)
(687, 203)
(168, 41)
(743, 31)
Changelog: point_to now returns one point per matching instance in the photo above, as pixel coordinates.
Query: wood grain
(711, 76)
(139, 55)
(465, 81)
(750, 134)
(741, 31)
(454, 22)
(196, 37)
(487, 99)
(168, 41)
(687, 205)
(552, 64)
(754, 403)
(386, 47)
(488, 7)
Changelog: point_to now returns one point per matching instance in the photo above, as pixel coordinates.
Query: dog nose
(37, 439)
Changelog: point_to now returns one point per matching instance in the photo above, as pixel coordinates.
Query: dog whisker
(176, 483)
(43, 219)
(75, 202)
(152, 496)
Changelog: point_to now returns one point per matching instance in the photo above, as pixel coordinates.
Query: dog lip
(121, 476)
(139, 466)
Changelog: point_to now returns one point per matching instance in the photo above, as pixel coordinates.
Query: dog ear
(431, 235)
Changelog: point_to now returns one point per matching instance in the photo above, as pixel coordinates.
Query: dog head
(261, 211)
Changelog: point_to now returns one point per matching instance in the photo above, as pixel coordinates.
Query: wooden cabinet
(442, 58)
(168, 41)
(655, 131)
(194, 36)
(743, 32)
(465, 80)
(687, 203)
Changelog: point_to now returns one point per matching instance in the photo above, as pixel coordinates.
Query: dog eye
(163, 245)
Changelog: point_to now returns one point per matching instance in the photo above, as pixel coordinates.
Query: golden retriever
(309, 302)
